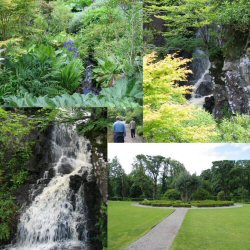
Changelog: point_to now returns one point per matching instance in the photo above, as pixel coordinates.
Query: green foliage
(7, 209)
(70, 75)
(167, 116)
(106, 72)
(201, 194)
(78, 5)
(15, 151)
(162, 203)
(139, 130)
(60, 16)
(172, 194)
(148, 175)
(121, 95)
(37, 65)
(186, 184)
(102, 224)
(15, 15)
(42, 71)
(111, 31)
(203, 203)
(211, 203)
(234, 13)
(221, 196)
(235, 129)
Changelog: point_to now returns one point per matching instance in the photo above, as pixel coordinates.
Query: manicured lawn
(127, 223)
(215, 229)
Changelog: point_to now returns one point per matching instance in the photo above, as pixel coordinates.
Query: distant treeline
(158, 177)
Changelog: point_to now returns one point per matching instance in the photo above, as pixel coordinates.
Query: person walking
(132, 126)
(119, 130)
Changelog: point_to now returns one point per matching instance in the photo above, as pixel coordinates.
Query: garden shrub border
(205, 203)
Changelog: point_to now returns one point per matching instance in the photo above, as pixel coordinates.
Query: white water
(199, 101)
(52, 221)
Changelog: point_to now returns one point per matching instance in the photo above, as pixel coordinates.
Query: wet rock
(65, 168)
(204, 89)
(209, 104)
(75, 182)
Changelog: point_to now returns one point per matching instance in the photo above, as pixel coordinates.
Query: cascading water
(204, 62)
(56, 219)
(202, 82)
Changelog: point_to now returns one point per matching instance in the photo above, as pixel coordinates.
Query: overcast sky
(195, 156)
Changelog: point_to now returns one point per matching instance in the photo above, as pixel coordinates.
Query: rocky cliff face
(232, 88)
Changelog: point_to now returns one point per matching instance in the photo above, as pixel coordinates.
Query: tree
(186, 184)
(152, 165)
(117, 179)
(142, 185)
(222, 176)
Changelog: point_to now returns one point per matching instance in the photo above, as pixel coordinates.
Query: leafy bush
(42, 71)
(211, 203)
(60, 17)
(162, 203)
(139, 130)
(205, 203)
(70, 75)
(221, 196)
(172, 194)
(236, 129)
(106, 72)
(201, 194)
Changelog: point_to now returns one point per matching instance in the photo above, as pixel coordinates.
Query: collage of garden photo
(124, 125)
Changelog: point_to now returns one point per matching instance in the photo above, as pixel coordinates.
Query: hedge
(205, 203)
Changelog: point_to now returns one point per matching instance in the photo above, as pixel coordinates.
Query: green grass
(215, 229)
(128, 223)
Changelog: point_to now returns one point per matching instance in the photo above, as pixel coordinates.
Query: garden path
(128, 139)
(162, 235)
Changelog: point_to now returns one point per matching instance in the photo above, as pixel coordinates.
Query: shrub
(211, 203)
(139, 130)
(42, 71)
(172, 194)
(203, 203)
(235, 129)
(162, 203)
(221, 196)
(201, 194)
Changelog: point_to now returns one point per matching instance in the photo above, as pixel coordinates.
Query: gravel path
(162, 235)
(128, 138)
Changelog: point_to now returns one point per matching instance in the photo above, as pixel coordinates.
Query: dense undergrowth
(50, 50)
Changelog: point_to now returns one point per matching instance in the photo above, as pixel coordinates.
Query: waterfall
(56, 219)
(205, 65)
(202, 82)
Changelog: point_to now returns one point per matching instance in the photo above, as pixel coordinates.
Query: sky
(195, 156)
